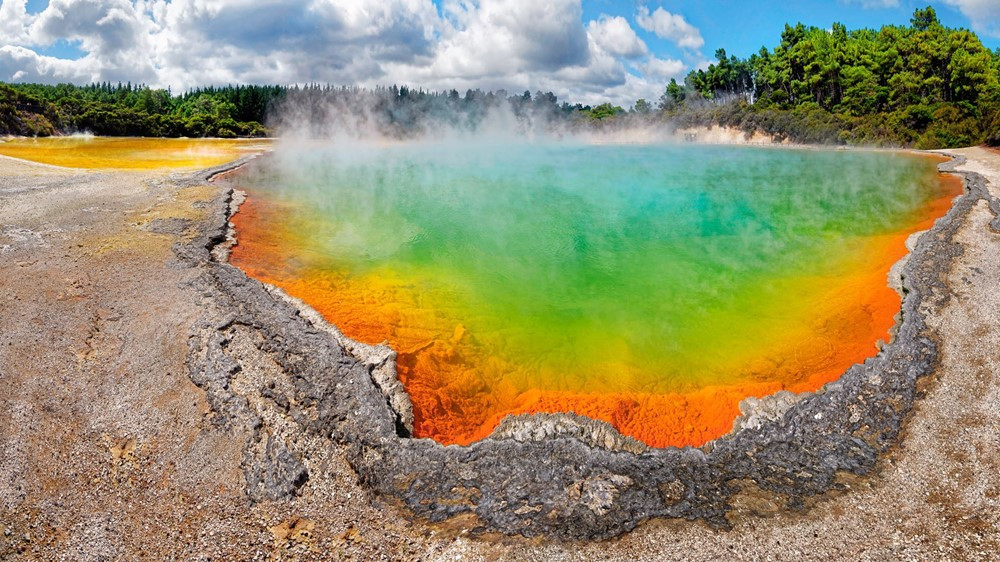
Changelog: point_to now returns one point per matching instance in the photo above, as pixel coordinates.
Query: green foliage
(127, 110)
(605, 110)
(727, 76)
(923, 20)
(25, 114)
(239, 111)
(924, 85)
(673, 96)
(991, 117)
(642, 106)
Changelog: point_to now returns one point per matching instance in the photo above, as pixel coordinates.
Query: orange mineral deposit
(652, 287)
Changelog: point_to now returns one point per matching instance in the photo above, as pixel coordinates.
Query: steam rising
(517, 274)
(349, 114)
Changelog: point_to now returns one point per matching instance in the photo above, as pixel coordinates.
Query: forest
(127, 110)
(243, 111)
(922, 85)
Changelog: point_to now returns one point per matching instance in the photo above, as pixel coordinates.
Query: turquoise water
(572, 267)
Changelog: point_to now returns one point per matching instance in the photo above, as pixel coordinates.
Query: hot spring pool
(653, 286)
(130, 153)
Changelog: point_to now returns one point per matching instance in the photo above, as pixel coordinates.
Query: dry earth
(108, 450)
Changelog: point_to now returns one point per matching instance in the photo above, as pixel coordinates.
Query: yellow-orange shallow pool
(118, 153)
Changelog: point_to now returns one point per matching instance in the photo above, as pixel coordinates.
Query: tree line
(403, 112)
(250, 111)
(922, 85)
(135, 110)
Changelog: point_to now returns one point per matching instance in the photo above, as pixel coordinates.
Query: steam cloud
(398, 113)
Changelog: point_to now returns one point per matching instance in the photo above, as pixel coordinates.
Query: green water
(676, 262)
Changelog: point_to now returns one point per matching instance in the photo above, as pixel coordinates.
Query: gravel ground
(109, 451)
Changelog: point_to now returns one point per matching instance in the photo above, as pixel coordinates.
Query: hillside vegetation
(127, 110)
(922, 85)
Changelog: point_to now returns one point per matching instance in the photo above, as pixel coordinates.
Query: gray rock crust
(558, 476)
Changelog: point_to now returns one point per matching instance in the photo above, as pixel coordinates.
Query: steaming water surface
(650, 286)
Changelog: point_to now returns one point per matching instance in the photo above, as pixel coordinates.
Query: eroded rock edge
(563, 483)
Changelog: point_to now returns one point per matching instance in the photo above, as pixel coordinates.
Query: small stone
(673, 491)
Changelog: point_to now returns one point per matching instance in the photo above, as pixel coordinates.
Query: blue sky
(739, 27)
(61, 49)
(742, 27)
(583, 50)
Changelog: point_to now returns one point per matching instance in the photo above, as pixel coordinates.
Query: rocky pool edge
(552, 475)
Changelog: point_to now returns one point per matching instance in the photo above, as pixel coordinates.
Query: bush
(951, 126)
(21, 114)
(992, 136)
(922, 126)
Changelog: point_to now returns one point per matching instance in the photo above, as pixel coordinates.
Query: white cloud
(14, 21)
(616, 36)
(663, 68)
(984, 15)
(656, 72)
(25, 65)
(633, 88)
(110, 31)
(510, 44)
(276, 41)
(508, 37)
(670, 26)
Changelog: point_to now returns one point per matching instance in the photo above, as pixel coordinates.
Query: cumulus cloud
(19, 64)
(509, 44)
(111, 32)
(14, 21)
(663, 68)
(616, 36)
(984, 15)
(196, 42)
(507, 37)
(670, 26)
